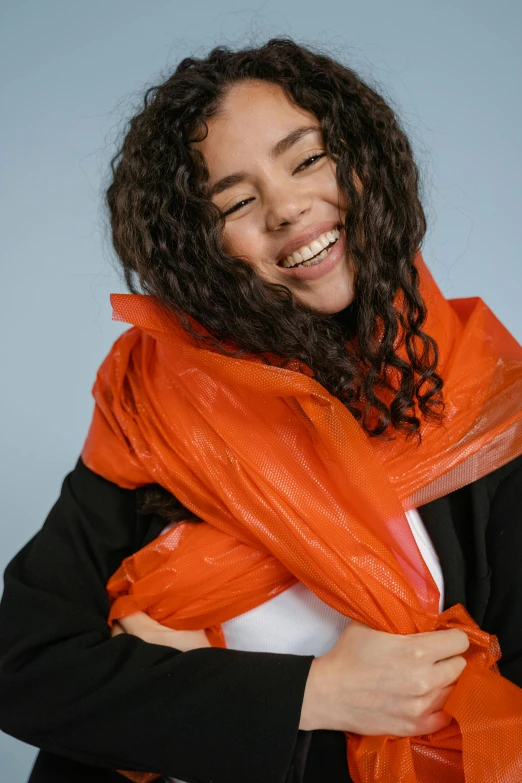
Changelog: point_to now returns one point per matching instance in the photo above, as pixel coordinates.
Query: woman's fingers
(144, 627)
(448, 671)
(438, 645)
(431, 723)
(435, 701)
(139, 624)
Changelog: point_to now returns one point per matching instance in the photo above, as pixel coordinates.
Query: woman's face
(271, 178)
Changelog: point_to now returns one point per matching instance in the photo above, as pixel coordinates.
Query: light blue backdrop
(72, 73)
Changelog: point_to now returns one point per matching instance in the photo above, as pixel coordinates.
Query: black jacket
(96, 704)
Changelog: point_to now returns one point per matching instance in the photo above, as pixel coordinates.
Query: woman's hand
(141, 625)
(376, 683)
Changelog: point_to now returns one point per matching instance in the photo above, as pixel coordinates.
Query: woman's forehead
(253, 117)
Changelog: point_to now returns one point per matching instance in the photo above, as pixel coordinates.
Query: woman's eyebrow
(282, 146)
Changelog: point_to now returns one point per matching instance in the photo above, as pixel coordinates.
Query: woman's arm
(503, 616)
(68, 687)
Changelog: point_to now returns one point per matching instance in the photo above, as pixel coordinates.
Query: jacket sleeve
(121, 703)
(503, 615)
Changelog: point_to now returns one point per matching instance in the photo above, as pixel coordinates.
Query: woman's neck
(347, 319)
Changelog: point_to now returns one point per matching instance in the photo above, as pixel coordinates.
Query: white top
(297, 621)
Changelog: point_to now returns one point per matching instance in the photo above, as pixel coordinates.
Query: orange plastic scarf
(291, 488)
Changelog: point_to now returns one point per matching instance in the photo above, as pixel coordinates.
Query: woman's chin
(329, 296)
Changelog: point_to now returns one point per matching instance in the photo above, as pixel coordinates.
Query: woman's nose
(285, 205)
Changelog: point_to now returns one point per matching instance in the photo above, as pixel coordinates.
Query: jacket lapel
(437, 517)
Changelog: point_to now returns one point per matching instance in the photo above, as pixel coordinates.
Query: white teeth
(317, 259)
(307, 252)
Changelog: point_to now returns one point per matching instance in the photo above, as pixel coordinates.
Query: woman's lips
(315, 271)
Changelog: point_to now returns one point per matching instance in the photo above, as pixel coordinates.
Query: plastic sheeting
(291, 488)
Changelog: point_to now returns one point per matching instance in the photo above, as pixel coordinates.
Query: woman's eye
(310, 161)
(305, 164)
(237, 206)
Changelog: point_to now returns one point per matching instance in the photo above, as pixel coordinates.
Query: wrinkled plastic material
(291, 488)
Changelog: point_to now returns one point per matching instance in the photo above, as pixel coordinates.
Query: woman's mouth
(314, 253)
(326, 256)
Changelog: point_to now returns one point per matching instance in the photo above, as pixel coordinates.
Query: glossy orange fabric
(291, 488)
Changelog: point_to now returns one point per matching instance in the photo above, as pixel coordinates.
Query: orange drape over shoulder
(291, 488)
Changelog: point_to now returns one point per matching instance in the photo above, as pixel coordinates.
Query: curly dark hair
(168, 234)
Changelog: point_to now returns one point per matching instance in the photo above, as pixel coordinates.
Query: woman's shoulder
(115, 506)
(491, 481)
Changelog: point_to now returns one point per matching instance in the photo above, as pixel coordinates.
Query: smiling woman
(258, 155)
(293, 535)
(282, 177)
(285, 179)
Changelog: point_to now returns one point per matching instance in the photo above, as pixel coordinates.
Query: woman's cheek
(239, 241)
